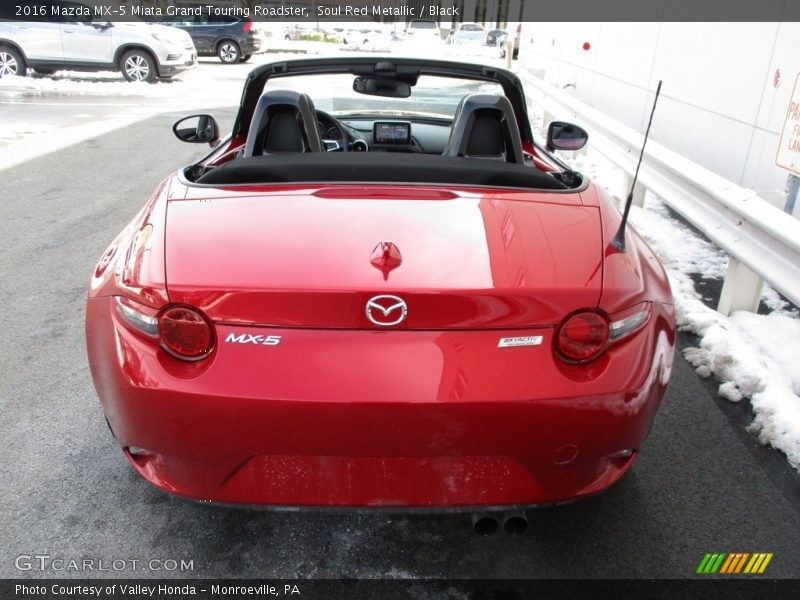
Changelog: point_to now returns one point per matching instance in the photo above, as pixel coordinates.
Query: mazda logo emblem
(386, 310)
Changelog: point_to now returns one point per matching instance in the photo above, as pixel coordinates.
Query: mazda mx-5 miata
(380, 290)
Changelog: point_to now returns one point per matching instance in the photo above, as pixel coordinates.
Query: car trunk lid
(313, 258)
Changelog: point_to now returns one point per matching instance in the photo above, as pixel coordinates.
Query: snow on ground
(10, 131)
(754, 356)
(73, 83)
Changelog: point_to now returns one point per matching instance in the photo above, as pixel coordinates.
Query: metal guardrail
(763, 242)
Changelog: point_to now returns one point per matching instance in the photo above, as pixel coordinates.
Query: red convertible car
(380, 290)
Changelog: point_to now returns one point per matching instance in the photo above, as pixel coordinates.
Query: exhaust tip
(515, 525)
(485, 525)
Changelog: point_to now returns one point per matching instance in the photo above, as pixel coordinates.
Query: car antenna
(619, 239)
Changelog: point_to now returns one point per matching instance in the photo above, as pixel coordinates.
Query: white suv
(142, 52)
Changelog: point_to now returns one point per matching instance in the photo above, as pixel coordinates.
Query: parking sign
(789, 146)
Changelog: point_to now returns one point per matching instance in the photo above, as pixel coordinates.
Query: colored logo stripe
(734, 562)
(711, 563)
(758, 563)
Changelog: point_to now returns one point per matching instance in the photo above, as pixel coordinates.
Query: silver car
(141, 51)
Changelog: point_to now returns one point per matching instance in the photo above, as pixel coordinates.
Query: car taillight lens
(582, 337)
(137, 317)
(585, 335)
(626, 322)
(248, 25)
(185, 333)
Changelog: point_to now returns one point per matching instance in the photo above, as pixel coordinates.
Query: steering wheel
(333, 134)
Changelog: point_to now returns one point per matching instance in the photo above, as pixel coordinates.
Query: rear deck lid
(315, 258)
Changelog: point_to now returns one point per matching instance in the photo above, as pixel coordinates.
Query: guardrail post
(638, 190)
(741, 289)
(792, 191)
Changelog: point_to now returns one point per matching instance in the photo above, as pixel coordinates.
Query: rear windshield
(471, 27)
(423, 25)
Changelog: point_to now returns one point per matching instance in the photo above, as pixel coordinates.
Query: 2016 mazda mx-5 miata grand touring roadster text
(380, 290)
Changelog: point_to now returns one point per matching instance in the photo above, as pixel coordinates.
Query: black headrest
(484, 127)
(486, 138)
(283, 133)
(283, 121)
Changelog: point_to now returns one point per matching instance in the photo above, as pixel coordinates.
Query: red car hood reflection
(303, 259)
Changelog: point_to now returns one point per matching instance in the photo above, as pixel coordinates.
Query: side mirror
(565, 136)
(197, 129)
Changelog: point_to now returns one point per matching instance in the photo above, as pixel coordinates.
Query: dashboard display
(392, 132)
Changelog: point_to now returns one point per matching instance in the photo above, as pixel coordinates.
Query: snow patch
(756, 357)
(10, 130)
(69, 83)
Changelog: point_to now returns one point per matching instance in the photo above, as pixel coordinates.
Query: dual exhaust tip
(514, 522)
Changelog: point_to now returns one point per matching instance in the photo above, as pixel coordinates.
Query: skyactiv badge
(512, 342)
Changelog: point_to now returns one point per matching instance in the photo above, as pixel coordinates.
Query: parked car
(368, 38)
(336, 33)
(296, 31)
(469, 33)
(434, 313)
(231, 39)
(423, 30)
(493, 35)
(141, 51)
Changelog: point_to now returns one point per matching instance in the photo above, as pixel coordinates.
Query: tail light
(185, 333)
(626, 322)
(248, 25)
(182, 331)
(582, 336)
(137, 317)
(586, 334)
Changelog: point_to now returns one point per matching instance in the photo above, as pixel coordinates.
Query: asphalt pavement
(699, 485)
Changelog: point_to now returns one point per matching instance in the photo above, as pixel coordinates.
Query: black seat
(484, 127)
(284, 122)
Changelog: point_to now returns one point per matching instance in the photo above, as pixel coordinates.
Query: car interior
(288, 140)
(283, 146)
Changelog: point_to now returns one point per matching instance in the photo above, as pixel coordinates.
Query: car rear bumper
(376, 418)
(252, 45)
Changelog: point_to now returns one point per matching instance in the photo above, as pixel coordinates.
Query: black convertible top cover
(378, 167)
